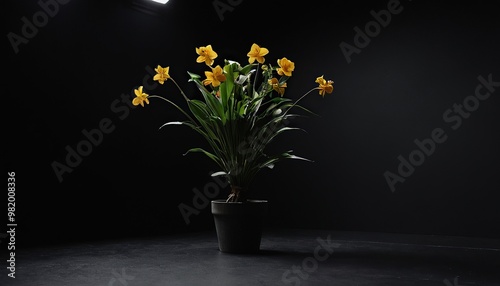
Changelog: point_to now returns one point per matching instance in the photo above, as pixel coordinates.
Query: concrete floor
(288, 257)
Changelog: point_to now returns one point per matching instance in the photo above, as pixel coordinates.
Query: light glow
(160, 1)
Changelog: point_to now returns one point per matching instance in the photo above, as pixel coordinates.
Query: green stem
(180, 89)
(176, 106)
(300, 98)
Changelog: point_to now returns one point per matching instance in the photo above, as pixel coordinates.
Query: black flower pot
(239, 225)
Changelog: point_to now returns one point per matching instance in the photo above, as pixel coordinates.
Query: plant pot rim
(248, 208)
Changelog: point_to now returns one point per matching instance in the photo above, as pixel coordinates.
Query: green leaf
(229, 83)
(287, 155)
(199, 109)
(278, 132)
(220, 173)
(209, 155)
(250, 68)
(223, 95)
(202, 113)
(171, 123)
(193, 75)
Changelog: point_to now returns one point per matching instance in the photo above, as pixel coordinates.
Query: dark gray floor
(288, 257)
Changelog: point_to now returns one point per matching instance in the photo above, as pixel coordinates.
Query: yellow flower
(206, 54)
(320, 80)
(286, 67)
(141, 97)
(215, 77)
(161, 74)
(325, 86)
(277, 87)
(257, 53)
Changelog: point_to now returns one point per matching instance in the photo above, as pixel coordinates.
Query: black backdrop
(399, 83)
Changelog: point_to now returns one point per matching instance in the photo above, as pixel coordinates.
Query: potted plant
(242, 109)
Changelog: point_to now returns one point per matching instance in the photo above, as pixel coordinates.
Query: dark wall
(415, 107)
